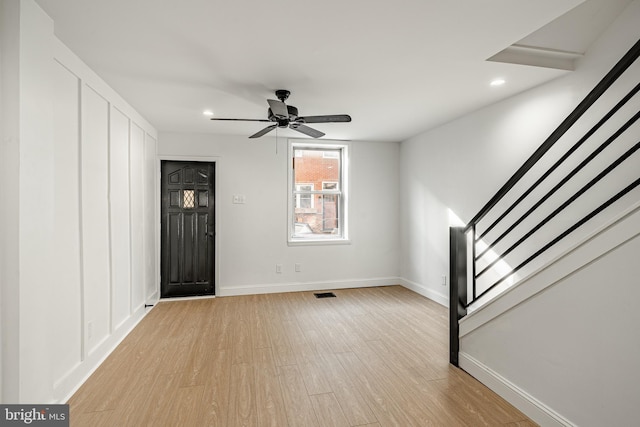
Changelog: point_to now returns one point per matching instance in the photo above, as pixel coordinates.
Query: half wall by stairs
(562, 346)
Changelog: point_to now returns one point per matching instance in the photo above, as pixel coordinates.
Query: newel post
(457, 287)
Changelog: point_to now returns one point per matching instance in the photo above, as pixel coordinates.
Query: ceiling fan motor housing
(293, 115)
(282, 94)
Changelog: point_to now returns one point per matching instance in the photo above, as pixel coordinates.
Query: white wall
(151, 223)
(3, 34)
(9, 212)
(67, 352)
(252, 237)
(119, 214)
(35, 200)
(136, 196)
(69, 294)
(460, 165)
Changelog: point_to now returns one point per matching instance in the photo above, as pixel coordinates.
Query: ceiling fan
(287, 116)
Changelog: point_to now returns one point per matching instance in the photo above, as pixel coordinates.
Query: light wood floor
(370, 357)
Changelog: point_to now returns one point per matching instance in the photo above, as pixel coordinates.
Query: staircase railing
(585, 172)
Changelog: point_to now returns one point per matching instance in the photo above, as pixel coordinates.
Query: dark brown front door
(188, 225)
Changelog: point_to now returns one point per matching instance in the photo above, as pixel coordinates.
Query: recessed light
(497, 82)
(207, 113)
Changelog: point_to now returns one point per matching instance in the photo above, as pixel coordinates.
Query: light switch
(239, 199)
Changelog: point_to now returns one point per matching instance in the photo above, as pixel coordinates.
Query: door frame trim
(158, 173)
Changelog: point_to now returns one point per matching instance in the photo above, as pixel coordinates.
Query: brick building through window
(316, 172)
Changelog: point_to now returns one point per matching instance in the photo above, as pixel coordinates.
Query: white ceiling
(398, 68)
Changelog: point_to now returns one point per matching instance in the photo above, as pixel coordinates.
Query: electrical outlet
(444, 280)
(278, 268)
(90, 330)
(239, 199)
(298, 268)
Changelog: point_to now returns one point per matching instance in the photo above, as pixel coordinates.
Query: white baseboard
(441, 299)
(153, 298)
(66, 386)
(270, 288)
(527, 404)
(225, 291)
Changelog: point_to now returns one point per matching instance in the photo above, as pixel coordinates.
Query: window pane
(313, 167)
(329, 213)
(304, 201)
(321, 222)
(329, 185)
(188, 199)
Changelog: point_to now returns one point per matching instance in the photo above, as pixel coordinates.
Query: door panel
(188, 221)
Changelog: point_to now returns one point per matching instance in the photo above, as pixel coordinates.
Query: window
(329, 185)
(330, 154)
(317, 193)
(304, 198)
(188, 199)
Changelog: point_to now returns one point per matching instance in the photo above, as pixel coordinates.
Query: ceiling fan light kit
(286, 116)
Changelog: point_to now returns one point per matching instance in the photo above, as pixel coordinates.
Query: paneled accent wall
(68, 351)
(120, 209)
(151, 228)
(94, 179)
(105, 217)
(137, 213)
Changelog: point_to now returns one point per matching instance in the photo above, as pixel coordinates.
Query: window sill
(318, 242)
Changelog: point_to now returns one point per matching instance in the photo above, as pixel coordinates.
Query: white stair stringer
(621, 229)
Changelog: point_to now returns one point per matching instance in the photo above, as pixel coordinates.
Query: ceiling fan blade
(264, 131)
(334, 118)
(241, 120)
(306, 130)
(278, 108)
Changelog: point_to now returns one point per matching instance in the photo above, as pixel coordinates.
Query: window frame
(342, 192)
